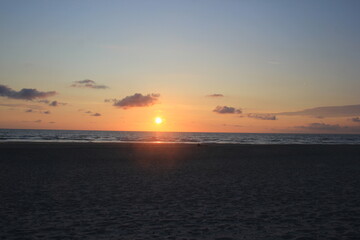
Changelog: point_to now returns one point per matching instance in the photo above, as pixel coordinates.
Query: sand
(179, 191)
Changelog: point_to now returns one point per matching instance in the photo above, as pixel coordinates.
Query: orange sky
(273, 68)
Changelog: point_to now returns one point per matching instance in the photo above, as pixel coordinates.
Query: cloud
(87, 83)
(226, 110)
(136, 100)
(36, 121)
(93, 114)
(52, 103)
(44, 101)
(330, 111)
(32, 111)
(215, 95)
(12, 105)
(262, 116)
(321, 127)
(52, 122)
(24, 94)
(356, 119)
(328, 128)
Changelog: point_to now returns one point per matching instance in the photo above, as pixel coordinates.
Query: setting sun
(158, 120)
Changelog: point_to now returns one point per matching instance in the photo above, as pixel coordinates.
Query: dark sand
(175, 191)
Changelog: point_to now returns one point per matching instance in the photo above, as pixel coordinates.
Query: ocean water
(27, 135)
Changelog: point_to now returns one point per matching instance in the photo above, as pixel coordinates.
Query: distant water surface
(21, 135)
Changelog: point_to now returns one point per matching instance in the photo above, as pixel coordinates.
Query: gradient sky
(269, 59)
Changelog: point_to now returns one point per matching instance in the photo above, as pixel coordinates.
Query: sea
(30, 135)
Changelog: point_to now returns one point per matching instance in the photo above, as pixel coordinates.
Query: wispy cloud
(25, 93)
(37, 111)
(226, 110)
(87, 83)
(330, 111)
(13, 105)
(93, 114)
(54, 103)
(320, 126)
(136, 100)
(328, 128)
(36, 121)
(215, 95)
(262, 116)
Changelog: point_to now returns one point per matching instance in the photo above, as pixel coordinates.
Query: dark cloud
(356, 119)
(87, 83)
(137, 100)
(262, 116)
(24, 94)
(52, 122)
(226, 110)
(32, 111)
(54, 103)
(322, 112)
(215, 95)
(93, 114)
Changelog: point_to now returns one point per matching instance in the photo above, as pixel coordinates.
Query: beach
(179, 191)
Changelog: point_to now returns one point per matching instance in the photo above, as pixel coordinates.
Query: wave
(21, 135)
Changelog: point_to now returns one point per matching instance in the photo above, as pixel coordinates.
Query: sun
(158, 120)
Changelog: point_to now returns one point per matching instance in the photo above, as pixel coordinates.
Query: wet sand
(179, 191)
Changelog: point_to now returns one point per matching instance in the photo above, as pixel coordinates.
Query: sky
(280, 66)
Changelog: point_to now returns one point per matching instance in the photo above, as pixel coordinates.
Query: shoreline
(172, 143)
